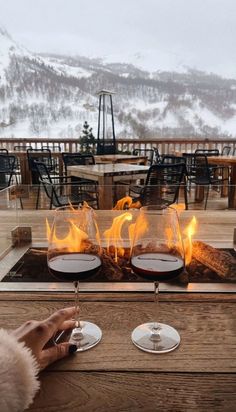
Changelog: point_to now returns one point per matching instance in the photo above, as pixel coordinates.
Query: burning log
(220, 261)
(110, 269)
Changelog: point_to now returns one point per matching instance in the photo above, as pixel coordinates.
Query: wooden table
(116, 376)
(25, 172)
(107, 175)
(229, 161)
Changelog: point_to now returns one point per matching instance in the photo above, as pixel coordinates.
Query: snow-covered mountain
(52, 96)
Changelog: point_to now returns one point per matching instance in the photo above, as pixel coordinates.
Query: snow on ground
(66, 69)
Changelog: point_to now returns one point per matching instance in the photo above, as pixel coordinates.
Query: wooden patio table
(199, 375)
(107, 175)
(25, 172)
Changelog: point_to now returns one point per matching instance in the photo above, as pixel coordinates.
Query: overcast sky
(154, 34)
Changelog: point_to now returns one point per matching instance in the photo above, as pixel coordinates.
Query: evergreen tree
(87, 140)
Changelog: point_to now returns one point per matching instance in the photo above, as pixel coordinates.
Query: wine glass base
(87, 337)
(143, 338)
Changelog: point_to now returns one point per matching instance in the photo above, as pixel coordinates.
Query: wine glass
(157, 254)
(74, 254)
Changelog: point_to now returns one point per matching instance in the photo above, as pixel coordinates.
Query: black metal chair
(149, 153)
(162, 185)
(226, 151)
(172, 159)
(20, 148)
(4, 151)
(40, 155)
(74, 159)
(57, 189)
(201, 173)
(8, 172)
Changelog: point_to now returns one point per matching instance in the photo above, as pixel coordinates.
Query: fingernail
(72, 349)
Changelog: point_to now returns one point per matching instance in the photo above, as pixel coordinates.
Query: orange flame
(113, 234)
(189, 231)
(72, 242)
(126, 203)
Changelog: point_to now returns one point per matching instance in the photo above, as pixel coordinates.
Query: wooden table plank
(207, 330)
(133, 392)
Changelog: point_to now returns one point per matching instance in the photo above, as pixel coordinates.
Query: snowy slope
(52, 96)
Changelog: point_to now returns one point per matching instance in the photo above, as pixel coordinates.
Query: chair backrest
(208, 152)
(3, 151)
(145, 152)
(162, 184)
(7, 169)
(171, 159)
(39, 155)
(73, 159)
(46, 181)
(226, 151)
(7, 163)
(198, 169)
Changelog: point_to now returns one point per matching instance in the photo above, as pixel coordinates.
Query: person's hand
(37, 334)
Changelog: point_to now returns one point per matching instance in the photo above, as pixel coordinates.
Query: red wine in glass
(73, 234)
(74, 266)
(157, 255)
(157, 266)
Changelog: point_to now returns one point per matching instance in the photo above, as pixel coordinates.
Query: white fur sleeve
(18, 374)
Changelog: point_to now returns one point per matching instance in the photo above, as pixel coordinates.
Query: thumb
(55, 353)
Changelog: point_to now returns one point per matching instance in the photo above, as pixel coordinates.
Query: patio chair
(172, 159)
(162, 185)
(8, 172)
(20, 148)
(57, 189)
(40, 155)
(4, 151)
(149, 153)
(74, 159)
(226, 151)
(201, 173)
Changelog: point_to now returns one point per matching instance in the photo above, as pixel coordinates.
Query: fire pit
(205, 265)
(32, 267)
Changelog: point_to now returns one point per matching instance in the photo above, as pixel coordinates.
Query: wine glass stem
(76, 285)
(155, 332)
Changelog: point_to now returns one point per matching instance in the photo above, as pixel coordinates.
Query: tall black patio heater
(106, 140)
